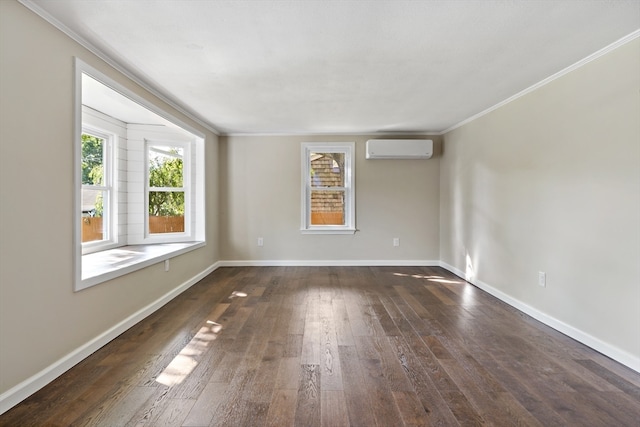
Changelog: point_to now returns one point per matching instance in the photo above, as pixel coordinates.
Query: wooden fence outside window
(92, 226)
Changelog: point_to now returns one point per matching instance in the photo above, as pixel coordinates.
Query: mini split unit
(399, 149)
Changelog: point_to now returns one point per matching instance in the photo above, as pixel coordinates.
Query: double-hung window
(97, 193)
(167, 194)
(328, 188)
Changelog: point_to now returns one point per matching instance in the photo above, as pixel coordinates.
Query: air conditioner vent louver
(399, 149)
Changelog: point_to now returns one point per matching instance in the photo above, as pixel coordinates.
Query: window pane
(327, 207)
(92, 160)
(166, 212)
(327, 169)
(92, 215)
(165, 166)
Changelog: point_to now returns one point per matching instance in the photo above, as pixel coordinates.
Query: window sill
(328, 230)
(101, 266)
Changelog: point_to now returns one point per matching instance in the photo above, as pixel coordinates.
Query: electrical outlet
(542, 279)
(396, 241)
(260, 241)
(166, 265)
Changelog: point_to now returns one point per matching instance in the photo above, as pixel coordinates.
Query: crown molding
(618, 43)
(363, 133)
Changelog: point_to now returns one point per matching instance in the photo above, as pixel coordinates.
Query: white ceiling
(343, 66)
(106, 100)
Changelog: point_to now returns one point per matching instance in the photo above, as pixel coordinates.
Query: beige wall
(261, 197)
(551, 182)
(41, 318)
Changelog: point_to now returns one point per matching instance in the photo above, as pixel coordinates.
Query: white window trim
(100, 266)
(348, 148)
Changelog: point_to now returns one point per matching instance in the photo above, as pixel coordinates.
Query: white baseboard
(26, 388)
(329, 263)
(607, 349)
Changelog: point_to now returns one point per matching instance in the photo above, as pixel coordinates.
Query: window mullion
(167, 189)
(96, 187)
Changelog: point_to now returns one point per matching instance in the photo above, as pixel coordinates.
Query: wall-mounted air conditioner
(399, 149)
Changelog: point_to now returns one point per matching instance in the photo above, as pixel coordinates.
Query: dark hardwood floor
(337, 346)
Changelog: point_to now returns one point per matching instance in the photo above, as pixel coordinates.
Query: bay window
(139, 182)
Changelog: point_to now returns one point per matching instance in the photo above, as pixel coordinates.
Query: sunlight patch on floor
(439, 279)
(186, 361)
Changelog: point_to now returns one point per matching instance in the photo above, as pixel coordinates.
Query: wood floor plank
(620, 409)
(424, 323)
(392, 360)
(485, 403)
(233, 403)
(293, 346)
(174, 413)
(282, 409)
(361, 315)
(242, 338)
(330, 358)
(254, 414)
(58, 393)
(199, 377)
(204, 407)
(288, 374)
(366, 348)
(440, 293)
(384, 409)
(458, 404)
(149, 411)
(383, 317)
(605, 362)
(410, 408)
(337, 346)
(236, 407)
(615, 380)
(284, 313)
(355, 388)
(334, 409)
(119, 409)
(579, 409)
(311, 345)
(527, 396)
(76, 408)
(308, 401)
(266, 375)
(341, 322)
(432, 402)
(298, 316)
